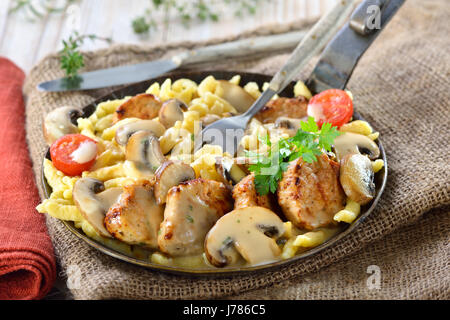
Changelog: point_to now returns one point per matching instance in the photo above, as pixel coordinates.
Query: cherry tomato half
(61, 154)
(334, 106)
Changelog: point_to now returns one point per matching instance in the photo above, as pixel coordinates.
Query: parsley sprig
(308, 143)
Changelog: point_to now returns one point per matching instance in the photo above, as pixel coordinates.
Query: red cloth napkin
(27, 261)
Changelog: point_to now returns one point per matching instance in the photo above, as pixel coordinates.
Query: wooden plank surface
(26, 42)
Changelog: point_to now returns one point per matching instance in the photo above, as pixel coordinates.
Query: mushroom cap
(349, 143)
(249, 233)
(144, 149)
(60, 122)
(171, 112)
(356, 177)
(94, 201)
(240, 99)
(124, 132)
(171, 174)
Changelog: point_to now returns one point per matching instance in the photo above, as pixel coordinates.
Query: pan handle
(341, 55)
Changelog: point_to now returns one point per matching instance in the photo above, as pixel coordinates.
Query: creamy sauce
(86, 152)
(187, 220)
(58, 123)
(315, 111)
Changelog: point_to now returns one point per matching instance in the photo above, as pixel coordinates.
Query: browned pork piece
(310, 194)
(192, 208)
(283, 107)
(245, 195)
(142, 106)
(136, 218)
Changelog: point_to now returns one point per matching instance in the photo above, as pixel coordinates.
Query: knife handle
(312, 43)
(240, 48)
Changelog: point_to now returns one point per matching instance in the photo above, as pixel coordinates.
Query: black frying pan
(380, 180)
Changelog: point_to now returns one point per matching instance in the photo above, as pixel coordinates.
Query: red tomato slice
(62, 149)
(334, 106)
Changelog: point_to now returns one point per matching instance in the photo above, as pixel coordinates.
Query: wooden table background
(26, 42)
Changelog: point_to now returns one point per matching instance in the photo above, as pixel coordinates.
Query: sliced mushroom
(142, 106)
(356, 176)
(251, 232)
(240, 99)
(349, 143)
(60, 122)
(169, 175)
(229, 170)
(288, 123)
(208, 119)
(143, 148)
(171, 112)
(94, 201)
(124, 132)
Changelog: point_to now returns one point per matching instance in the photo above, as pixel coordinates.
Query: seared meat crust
(310, 193)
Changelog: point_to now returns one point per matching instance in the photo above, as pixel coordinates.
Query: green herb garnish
(70, 57)
(190, 219)
(308, 143)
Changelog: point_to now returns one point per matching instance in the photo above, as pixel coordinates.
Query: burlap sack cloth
(402, 87)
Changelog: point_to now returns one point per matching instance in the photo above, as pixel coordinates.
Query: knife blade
(148, 70)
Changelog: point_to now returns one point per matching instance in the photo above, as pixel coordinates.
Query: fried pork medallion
(192, 208)
(294, 108)
(310, 193)
(142, 106)
(135, 219)
(245, 195)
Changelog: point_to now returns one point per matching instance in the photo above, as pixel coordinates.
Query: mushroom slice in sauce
(252, 232)
(60, 122)
(192, 208)
(171, 112)
(143, 148)
(288, 125)
(169, 175)
(356, 176)
(94, 201)
(124, 132)
(230, 172)
(142, 106)
(349, 143)
(135, 219)
(240, 99)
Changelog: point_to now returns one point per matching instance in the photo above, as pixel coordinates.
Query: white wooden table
(26, 42)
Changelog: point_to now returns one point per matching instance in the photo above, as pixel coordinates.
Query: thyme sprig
(71, 59)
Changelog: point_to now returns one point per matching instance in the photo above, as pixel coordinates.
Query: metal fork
(332, 71)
